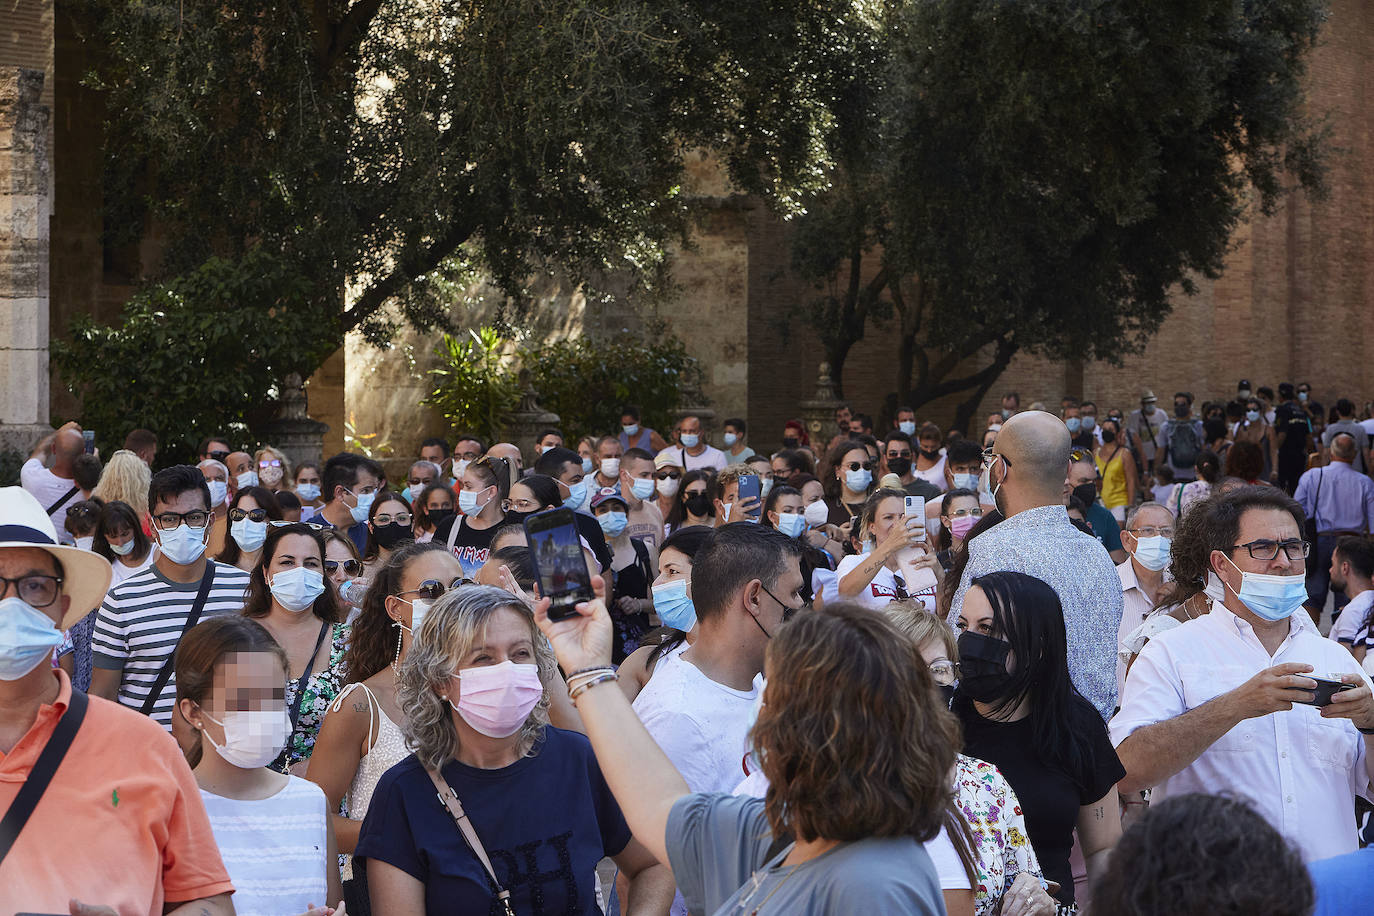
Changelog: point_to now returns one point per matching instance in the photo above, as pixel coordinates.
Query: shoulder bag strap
(453, 532)
(197, 606)
(61, 502)
(295, 711)
(17, 815)
(449, 799)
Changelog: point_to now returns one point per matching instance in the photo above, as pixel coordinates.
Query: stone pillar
(292, 430)
(818, 413)
(24, 243)
(525, 423)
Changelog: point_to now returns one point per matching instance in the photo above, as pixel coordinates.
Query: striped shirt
(139, 624)
(275, 849)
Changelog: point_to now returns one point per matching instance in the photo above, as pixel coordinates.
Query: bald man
(510, 453)
(50, 476)
(1025, 470)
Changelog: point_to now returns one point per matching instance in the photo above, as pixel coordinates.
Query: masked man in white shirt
(1223, 704)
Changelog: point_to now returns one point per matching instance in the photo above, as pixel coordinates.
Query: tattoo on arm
(1099, 812)
(360, 707)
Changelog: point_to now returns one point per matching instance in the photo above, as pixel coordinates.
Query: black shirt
(1050, 797)
(473, 545)
(1290, 417)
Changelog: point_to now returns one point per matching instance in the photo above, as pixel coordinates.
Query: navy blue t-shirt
(546, 821)
(357, 532)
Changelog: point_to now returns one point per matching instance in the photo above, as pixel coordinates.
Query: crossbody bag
(449, 799)
(17, 814)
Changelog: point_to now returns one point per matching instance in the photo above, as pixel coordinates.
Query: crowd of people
(1069, 662)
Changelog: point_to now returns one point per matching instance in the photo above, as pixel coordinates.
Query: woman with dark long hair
(674, 608)
(389, 525)
(1021, 713)
(288, 595)
(435, 505)
(362, 738)
(849, 481)
(249, 512)
(696, 501)
(119, 538)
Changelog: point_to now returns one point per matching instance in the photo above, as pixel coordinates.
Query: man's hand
(1274, 690)
(1356, 705)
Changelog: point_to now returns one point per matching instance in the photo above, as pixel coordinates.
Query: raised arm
(642, 778)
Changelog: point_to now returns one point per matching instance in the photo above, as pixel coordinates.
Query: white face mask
(816, 513)
(610, 467)
(219, 491)
(86, 542)
(252, 738)
(247, 479)
(668, 487)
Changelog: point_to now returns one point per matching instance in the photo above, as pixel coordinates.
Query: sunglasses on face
(858, 466)
(253, 515)
(219, 456)
(669, 475)
(350, 567)
(432, 589)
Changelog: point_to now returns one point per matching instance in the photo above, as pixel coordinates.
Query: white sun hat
(85, 575)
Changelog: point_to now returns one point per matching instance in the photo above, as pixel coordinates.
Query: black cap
(1244, 383)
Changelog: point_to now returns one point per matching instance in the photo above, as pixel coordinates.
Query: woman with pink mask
(959, 512)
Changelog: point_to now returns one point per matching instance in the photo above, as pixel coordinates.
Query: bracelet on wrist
(582, 688)
(594, 669)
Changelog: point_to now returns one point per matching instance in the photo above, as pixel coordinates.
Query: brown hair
(875, 499)
(202, 649)
(853, 738)
(258, 601)
(373, 640)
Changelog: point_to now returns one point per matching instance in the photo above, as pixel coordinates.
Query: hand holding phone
(556, 549)
(750, 490)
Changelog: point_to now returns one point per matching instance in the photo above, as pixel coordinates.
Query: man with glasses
(116, 823)
(350, 485)
(1148, 537)
(1224, 703)
(1340, 501)
(143, 618)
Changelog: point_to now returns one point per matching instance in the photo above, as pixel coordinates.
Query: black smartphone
(89, 436)
(750, 488)
(556, 550)
(1326, 689)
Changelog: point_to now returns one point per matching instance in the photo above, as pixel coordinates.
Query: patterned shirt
(320, 691)
(1043, 543)
(1001, 848)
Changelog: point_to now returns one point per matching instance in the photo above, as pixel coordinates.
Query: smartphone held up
(556, 549)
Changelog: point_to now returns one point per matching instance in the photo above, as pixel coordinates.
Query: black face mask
(437, 516)
(697, 504)
(932, 454)
(517, 517)
(983, 672)
(899, 466)
(1086, 494)
(1180, 410)
(790, 442)
(1108, 435)
(947, 693)
(388, 536)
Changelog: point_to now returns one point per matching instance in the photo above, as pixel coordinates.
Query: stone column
(24, 212)
(525, 423)
(292, 430)
(818, 412)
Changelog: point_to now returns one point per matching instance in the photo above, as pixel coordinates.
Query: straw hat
(85, 575)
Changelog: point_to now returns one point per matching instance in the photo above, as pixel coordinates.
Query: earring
(396, 661)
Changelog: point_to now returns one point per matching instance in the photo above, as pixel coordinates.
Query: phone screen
(749, 488)
(89, 436)
(556, 550)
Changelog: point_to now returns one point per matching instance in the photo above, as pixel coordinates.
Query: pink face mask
(961, 525)
(497, 699)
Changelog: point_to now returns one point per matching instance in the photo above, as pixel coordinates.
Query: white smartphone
(916, 506)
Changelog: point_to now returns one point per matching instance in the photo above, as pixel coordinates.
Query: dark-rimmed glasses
(1293, 549)
(196, 518)
(35, 590)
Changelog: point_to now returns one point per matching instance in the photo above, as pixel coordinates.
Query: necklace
(758, 883)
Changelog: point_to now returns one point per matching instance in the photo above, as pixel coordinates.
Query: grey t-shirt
(716, 847)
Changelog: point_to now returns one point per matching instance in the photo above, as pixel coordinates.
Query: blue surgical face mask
(27, 638)
(965, 481)
(588, 465)
(308, 492)
(907, 427)
(1088, 423)
(1074, 424)
(792, 524)
(730, 438)
(405, 494)
(364, 506)
(468, 503)
(612, 523)
(858, 481)
(673, 605)
(631, 430)
(1153, 553)
(1252, 415)
(297, 588)
(1270, 597)
(123, 550)
(218, 491)
(247, 479)
(577, 495)
(249, 534)
(690, 440)
(642, 487)
(183, 544)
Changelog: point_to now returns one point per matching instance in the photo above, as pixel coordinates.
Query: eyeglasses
(905, 454)
(520, 505)
(944, 673)
(1293, 549)
(350, 567)
(961, 513)
(196, 518)
(35, 590)
(1149, 531)
(669, 475)
(989, 456)
(253, 515)
(432, 589)
(858, 466)
(386, 518)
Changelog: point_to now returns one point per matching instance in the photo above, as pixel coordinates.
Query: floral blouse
(1002, 850)
(323, 686)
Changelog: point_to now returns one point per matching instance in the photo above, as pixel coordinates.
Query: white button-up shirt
(1301, 771)
(1138, 606)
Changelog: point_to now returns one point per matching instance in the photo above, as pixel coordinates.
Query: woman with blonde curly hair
(273, 467)
(126, 479)
(475, 686)
(855, 744)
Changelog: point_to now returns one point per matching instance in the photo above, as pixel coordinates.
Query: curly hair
(372, 641)
(1203, 855)
(852, 736)
(125, 479)
(455, 622)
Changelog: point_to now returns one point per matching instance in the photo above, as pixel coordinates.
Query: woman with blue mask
(850, 481)
(249, 514)
(631, 571)
(482, 494)
(288, 595)
(672, 603)
(784, 510)
(307, 480)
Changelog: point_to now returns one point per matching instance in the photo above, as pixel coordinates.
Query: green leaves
(473, 389)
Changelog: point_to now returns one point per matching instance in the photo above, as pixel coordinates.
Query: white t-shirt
(122, 572)
(48, 488)
(934, 475)
(882, 591)
(1346, 629)
(711, 458)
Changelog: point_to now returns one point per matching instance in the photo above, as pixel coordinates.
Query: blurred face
(242, 682)
(786, 505)
(691, 426)
(439, 499)
(248, 503)
(609, 448)
(572, 474)
(627, 420)
(855, 427)
(989, 438)
(586, 450)
(906, 416)
(842, 417)
(930, 444)
(734, 429)
(610, 506)
(673, 564)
